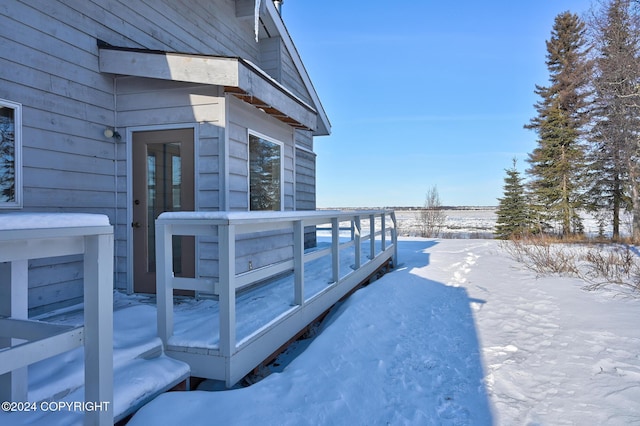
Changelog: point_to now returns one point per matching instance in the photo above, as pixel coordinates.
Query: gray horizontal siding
(276, 61)
(148, 102)
(270, 55)
(208, 182)
(54, 282)
(252, 251)
(305, 172)
(50, 66)
(304, 139)
(291, 77)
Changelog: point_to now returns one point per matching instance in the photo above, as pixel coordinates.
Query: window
(265, 170)
(10, 154)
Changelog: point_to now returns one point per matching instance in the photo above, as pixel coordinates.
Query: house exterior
(133, 108)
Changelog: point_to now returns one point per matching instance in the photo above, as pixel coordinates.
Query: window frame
(17, 118)
(281, 149)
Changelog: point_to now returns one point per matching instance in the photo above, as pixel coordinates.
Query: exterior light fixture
(111, 133)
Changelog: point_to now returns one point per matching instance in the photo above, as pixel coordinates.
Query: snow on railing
(378, 241)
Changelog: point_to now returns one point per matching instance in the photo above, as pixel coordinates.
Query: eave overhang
(240, 78)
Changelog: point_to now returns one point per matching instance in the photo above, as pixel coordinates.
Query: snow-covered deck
(220, 339)
(240, 331)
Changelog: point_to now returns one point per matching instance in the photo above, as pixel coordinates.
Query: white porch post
(164, 286)
(335, 249)
(298, 261)
(98, 327)
(14, 303)
(394, 239)
(227, 296)
(372, 236)
(383, 236)
(358, 241)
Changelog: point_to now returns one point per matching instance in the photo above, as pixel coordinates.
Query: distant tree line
(587, 156)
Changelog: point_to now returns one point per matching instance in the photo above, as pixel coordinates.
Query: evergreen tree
(557, 163)
(513, 217)
(607, 172)
(614, 137)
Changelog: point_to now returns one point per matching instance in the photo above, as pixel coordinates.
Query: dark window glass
(264, 174)
(7, 155)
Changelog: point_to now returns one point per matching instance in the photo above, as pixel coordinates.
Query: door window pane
(164, 191)
(265, 191)
(9, 154)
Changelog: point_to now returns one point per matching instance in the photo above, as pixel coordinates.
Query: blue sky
(423, 93)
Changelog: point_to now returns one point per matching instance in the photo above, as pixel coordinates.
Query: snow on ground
(459, 334)
(478, 222)
(553, 352)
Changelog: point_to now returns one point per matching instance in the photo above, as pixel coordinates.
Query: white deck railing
(232, 359)
(23, 341)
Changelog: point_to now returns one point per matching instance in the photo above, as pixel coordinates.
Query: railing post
(372, 236)
(14, 303)
(335, 249)
(298, 262)
(383, 235)
(98, 326)
(227, 296)
(394, 239)
(358, 249)
(164, 285)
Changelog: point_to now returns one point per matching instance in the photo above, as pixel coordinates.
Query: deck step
(141, 370)
(142, 380)
(140, 374)
(135, 384)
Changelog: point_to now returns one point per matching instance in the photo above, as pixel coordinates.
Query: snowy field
(468, 222)
(479, 222)
(459, 334)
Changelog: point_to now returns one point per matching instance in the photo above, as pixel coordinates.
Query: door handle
(135, 225)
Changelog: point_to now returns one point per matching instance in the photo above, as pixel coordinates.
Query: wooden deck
(247, 330)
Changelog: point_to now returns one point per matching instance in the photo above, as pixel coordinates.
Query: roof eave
(323, 127)
(239, 77)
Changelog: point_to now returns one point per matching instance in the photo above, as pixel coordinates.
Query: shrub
(598, 265)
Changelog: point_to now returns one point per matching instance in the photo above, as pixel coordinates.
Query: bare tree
(432, 217)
